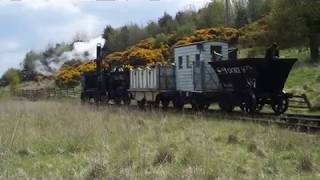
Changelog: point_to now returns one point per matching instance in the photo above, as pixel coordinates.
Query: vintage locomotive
(105, 85)
(203, 73)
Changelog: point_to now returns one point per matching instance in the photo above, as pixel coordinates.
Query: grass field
(65, 140)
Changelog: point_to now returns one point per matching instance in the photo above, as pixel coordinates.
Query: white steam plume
(81, 51)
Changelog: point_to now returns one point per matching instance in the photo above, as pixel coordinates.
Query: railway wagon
(197, 83)
(254, 82)
(154, 85)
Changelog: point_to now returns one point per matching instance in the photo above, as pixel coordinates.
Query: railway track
(296, 122)
(305, 123)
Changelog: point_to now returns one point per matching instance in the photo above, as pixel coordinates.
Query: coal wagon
(253, 83)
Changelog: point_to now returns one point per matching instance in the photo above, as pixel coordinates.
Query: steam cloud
(80, 51)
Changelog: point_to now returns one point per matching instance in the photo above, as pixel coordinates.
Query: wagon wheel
(280, 105)
(201, 106)
(259, 107)
(164, 103)
(141, 103)
(205, 106)
(127, 100)
(249, 104)
(195, 105)
(84, 99)
(106, 100)
(91, 100)
(98, 100)
(156, 103)
(117, 101)
(225, 104)
(178, 104)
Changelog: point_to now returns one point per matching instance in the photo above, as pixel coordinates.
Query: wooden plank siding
(153, 78)
(186, 79)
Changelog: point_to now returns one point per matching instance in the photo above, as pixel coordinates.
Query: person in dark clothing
(272, 53)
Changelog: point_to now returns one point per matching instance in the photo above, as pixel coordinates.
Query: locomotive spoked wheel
(249, 104)
(280, 104)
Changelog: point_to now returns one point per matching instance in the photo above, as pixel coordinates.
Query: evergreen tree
(241, 17)
(302, 19)
(166, 23)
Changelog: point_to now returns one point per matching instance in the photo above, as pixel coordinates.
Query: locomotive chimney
(99, 58)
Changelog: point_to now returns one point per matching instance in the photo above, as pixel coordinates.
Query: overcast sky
(31, 24)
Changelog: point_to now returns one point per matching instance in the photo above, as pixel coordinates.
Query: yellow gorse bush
(69, 75)
(229, 35)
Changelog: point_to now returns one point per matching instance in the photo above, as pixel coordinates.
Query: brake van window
(189, 65)
(180, 63)
(197, 60)
(216, 52)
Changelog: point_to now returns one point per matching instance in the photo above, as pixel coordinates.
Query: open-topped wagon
(254, 82)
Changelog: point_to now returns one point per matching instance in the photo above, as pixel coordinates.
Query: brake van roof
(196, 43)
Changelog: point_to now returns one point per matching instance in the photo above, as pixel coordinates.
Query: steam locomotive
(105, 85)
(203, 73)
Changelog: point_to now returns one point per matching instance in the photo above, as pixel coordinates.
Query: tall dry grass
(64, 140)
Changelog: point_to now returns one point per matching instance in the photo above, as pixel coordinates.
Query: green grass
(61, 140)
(306, 80)
(302, 54)
(4, 93)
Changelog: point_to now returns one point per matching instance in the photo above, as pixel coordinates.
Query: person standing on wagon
(272, 52)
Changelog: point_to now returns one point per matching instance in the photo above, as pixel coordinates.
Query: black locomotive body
(105, 85)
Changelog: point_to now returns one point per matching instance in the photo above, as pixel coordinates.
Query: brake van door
(198, 75)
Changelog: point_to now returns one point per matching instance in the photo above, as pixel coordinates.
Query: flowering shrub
(69, 75)
(229, 35)
(142, 57)
(142, 54)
